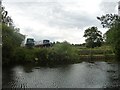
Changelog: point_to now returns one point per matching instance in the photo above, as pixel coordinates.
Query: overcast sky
(58, 20)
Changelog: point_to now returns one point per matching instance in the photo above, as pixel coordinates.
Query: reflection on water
(82, 75)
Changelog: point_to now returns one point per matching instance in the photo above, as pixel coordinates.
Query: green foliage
(65, 52)
(10, 34)
(94, 37)
(108, 20)
(94, 52)
(61, 53)
(117, 49)
(113, 34)
(11, 40)
(42, 56)
(23, 55)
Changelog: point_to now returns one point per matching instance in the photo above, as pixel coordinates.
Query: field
(104, 52)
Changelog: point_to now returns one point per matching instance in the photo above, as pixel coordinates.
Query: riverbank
(60, 54)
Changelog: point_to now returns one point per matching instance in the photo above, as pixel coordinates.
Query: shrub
(65, 53)
(11, 40)
(22, 55)
(61, 53)
(42, 55)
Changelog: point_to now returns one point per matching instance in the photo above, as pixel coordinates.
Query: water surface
(81, 75)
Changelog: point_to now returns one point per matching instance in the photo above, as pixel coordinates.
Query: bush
(42, 55)
(11, 40)
(61, 53)
(65, 53)
(117, 50)
(23, 55)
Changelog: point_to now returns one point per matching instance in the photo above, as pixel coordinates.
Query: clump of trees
(11, 38)
(112, 22)
(93, 37)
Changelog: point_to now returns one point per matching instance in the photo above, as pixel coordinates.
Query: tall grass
(62, 53)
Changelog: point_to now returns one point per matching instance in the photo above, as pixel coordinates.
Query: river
(81, 75)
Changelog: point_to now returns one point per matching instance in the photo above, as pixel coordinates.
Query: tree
(94, 37)
(11, 38)
(112, 22)
(4, 18)
(109, 20)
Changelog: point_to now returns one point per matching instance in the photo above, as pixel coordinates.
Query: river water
(81, 75)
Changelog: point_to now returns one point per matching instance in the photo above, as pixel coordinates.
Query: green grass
(105, 49)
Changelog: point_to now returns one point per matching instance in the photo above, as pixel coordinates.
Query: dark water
(82, 75)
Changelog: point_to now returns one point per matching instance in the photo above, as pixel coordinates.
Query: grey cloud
(66, 19)
(108, 7)
(42, 37)
(54, 14)
(72, 20)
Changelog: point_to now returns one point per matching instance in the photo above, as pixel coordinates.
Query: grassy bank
(104, 52)
(62, 53)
